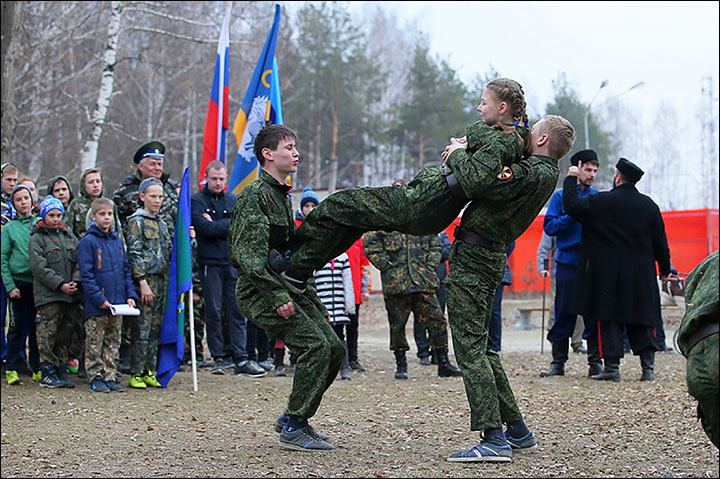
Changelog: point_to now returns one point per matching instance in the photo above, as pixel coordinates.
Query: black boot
(647, 361)
(401, 362)
(345, 367)
(560, 356)
(445, 368)
(594, 361)
(611, 371)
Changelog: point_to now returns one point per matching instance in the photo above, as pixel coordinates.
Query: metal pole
(542, 329)
(193, 359)
(603, 84)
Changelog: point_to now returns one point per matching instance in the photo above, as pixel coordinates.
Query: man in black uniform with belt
(623, 235)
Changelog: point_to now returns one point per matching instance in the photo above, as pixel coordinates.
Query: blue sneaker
(282, 421)
(483, 452)
(527, 443)
(98, 385)
(302, 440)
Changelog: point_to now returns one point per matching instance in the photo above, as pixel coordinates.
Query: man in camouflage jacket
(263, 219)
(508, 198)
(408, 266)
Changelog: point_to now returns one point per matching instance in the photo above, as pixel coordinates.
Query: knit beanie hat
(147, 182)
(50, 203)
(309, 195)
(16, 189)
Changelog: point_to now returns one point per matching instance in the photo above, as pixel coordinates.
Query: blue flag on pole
(261, 105)
(171, 345)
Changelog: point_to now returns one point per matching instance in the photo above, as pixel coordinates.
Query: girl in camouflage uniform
(426, 205)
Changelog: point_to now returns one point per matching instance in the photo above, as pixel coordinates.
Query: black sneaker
(98, 385)
(114, 386)
(279, 265)
(50, 379)
(62, 374)
(283, 420)
(356, 366)
(249, 368)
(302, 440)
(218, 367)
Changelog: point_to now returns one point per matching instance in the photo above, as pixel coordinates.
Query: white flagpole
(193, 359)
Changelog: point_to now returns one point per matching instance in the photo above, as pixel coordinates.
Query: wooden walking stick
(542, 329)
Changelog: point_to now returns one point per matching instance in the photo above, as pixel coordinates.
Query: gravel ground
(381, 427)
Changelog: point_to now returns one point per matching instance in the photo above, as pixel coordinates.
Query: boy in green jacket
(18, 280)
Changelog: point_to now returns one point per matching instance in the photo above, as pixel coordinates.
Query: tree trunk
(90, 150)
(11, 23)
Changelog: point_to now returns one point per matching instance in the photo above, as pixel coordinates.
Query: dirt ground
(382, 427)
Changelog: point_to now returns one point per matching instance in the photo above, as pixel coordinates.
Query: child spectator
(360, 267)
(78, 214)
(148, 250)
(17, 278)
(335, 289)
(53, 262)
(106, 279)
(59, 188)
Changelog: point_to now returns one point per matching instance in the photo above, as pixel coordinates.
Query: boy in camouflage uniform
(408, 266)
(262, 219)
(148, 247)
(150, 158)
(53, 261)
(698, 341)
(78, 214)
(508, 200)
(426, 205)
(106, 279)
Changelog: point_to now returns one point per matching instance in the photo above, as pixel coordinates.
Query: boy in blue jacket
(106, 279)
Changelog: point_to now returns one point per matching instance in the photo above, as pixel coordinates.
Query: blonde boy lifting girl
(426, 205)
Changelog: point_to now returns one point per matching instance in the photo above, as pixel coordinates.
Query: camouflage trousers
(426, 309)
(146, 332)
(102, 342)
(474, 275)
(308, 334)
(422, 207)
(703, 381)
(54, 329)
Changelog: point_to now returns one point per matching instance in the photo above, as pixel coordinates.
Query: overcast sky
(670, 46)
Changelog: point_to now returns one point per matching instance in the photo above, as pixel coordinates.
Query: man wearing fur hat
(623, 236)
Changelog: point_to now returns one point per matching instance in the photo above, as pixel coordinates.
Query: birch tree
(88, 158)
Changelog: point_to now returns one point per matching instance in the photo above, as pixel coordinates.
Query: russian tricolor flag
(218, 111)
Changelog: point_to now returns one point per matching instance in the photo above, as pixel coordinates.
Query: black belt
(453, 184)
(477, 240)
(700, 334)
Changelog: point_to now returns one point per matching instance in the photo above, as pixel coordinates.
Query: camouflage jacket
(262, 219)
(489, 151)
(407, 263)
(127, 200)
(509, 198)
(148, 245)
(701, 300)
(77, 216)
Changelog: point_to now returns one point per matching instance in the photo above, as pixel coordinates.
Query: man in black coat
(623, 235)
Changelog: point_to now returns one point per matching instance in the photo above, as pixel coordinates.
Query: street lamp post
(587, 114)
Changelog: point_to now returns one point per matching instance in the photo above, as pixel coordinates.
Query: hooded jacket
(53, 261)
(78, 212)
(51, 185)
(104, 270)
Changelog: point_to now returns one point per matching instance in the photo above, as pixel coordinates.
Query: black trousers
(610, 339)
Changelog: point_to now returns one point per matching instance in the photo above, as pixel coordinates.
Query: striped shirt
(335, 289)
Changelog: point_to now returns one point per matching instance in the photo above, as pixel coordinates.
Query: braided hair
(511, 92)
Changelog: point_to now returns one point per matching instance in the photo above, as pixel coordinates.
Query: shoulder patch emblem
(505, 174)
